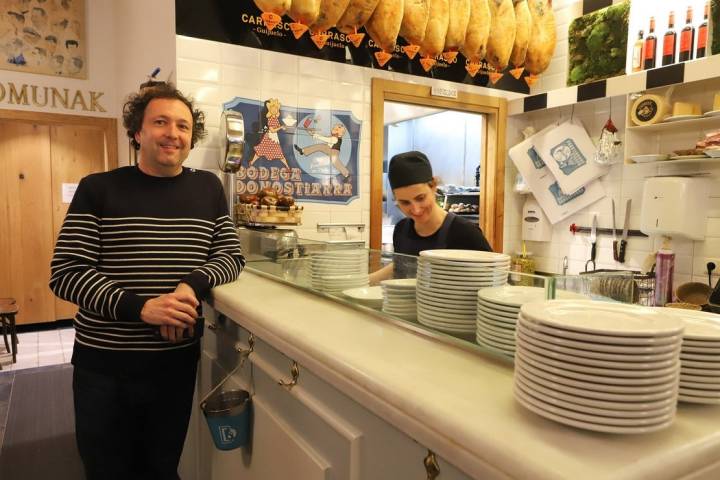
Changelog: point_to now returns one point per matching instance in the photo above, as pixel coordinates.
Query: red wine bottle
(650, 49)
(669, 42)
(702, 34)
(687, 38)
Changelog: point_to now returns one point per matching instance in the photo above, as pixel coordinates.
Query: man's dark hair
(134, 109)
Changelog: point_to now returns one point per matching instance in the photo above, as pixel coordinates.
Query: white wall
(215, 73)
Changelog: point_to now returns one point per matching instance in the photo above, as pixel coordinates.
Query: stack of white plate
(607, 367)
(399, 297)
(498, 309)
(339, 270)
(699, 357)
(368, 296)
(447, 285)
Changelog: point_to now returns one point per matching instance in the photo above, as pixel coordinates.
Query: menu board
(240, 23)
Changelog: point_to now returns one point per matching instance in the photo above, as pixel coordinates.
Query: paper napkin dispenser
(535, 225)
(675, 206)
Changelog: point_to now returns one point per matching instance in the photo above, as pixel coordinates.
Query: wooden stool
(8, 310)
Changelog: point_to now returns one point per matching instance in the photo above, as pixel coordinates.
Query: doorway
(491, 182)
(42, 157)
(454, 144)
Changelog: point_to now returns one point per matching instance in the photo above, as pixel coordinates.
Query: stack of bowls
(447, 285)
(339, 270)
(700, 356)
(399, 297)
(368, 296)
(607, 367)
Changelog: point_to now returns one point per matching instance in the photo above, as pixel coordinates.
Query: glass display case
(471, 299)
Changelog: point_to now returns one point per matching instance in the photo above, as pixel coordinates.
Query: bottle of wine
(687, 38)
(650, 50)
(669, 42)
(702, 34)
(637, 57)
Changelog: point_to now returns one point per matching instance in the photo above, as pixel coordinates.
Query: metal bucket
(228, 417)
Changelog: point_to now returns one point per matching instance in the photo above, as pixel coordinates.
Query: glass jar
(522, 264)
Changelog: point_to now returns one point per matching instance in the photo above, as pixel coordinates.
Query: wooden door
(26, 230)
(76, 152)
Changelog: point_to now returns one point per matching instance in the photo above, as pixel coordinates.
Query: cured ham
(273, 10)
(384, 24)
(457, 24)
(502, 33)
(542, 47)
(476, 38)
(356, 15)
(437, 26)
(305, 12)
(330, 13)
(523, 27)
(414, 21)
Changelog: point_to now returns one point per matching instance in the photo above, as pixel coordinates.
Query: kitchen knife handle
(621, 252)
(616, 255)
(593, 251)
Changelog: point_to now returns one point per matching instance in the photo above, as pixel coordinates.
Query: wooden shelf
(700, 123)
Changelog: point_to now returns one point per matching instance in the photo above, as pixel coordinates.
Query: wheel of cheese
(414, 21)
(649, 109)
(478, 30)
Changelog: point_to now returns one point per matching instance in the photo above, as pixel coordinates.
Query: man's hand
(173, 312)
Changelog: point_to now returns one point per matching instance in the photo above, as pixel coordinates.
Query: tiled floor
(39, 349)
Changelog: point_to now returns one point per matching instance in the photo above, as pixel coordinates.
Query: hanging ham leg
(273, 10)
(502, 33)
(476, 38)
(414, 23)
(542, 46)
(384, 24)
(304, 11)
(330, 13)
(457, 27)
(437, 27)
(523, 24)
(356, 15)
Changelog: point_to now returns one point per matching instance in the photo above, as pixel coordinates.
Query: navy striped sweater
(129, 237)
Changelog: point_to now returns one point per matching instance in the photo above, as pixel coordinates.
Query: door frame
(108, 126)
(492, 171)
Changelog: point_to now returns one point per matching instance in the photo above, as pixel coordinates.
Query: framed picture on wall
(43, 36)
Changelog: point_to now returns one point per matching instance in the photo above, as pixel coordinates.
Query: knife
(593, 239)
(623, 239)
(615, 242)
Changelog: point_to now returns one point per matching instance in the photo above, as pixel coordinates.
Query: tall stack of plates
(607, 367)
(399, 297)
(447, 285)
(339, 270)
(700, 356)
(498, 309)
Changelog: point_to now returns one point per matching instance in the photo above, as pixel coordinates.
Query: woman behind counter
(426, 226)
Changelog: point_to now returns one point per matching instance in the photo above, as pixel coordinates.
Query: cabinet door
(26, 234)
(77, 151)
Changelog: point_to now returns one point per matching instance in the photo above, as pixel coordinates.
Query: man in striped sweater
(140, 247)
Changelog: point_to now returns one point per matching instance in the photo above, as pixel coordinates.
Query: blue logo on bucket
(227, 434)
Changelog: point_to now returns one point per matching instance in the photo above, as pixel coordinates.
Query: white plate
(709, 380)
(400, 283)
(495, 323)
(699, 364)
(605, 339)
(612, 357)
(538, 355)
(712, 152)
(449, 312)
(687, 157)
(495, 340)
(496, 348)
(701, 372)
(700, 393)
(533, 347)
(499, 332)
(698, 325)
(472, 282)
(677, 118)
(700, 343)
(496, 306)
(693, 349)
(602, 347)
(444, 328)
(686, 384)
(712, 113)
(619, 400)
(551, 414)
(516, 295)
(465, 255)
(589, 406)
(602, 318)
(655, 157)
(400, 302)
(634, 393)
(693, 399)
(497, 314)
(667, 380)
(451, 298)
(372, 294)
(684, 355)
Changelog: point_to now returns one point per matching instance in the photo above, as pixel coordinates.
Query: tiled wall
(215, 73)
(623, 182)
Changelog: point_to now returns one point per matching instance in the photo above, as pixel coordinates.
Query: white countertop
(457, 403)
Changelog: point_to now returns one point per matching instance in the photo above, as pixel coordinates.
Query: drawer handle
(431, 466)
(295, 372)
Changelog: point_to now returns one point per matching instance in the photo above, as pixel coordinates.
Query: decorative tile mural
(309, 154)
(43, 36)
